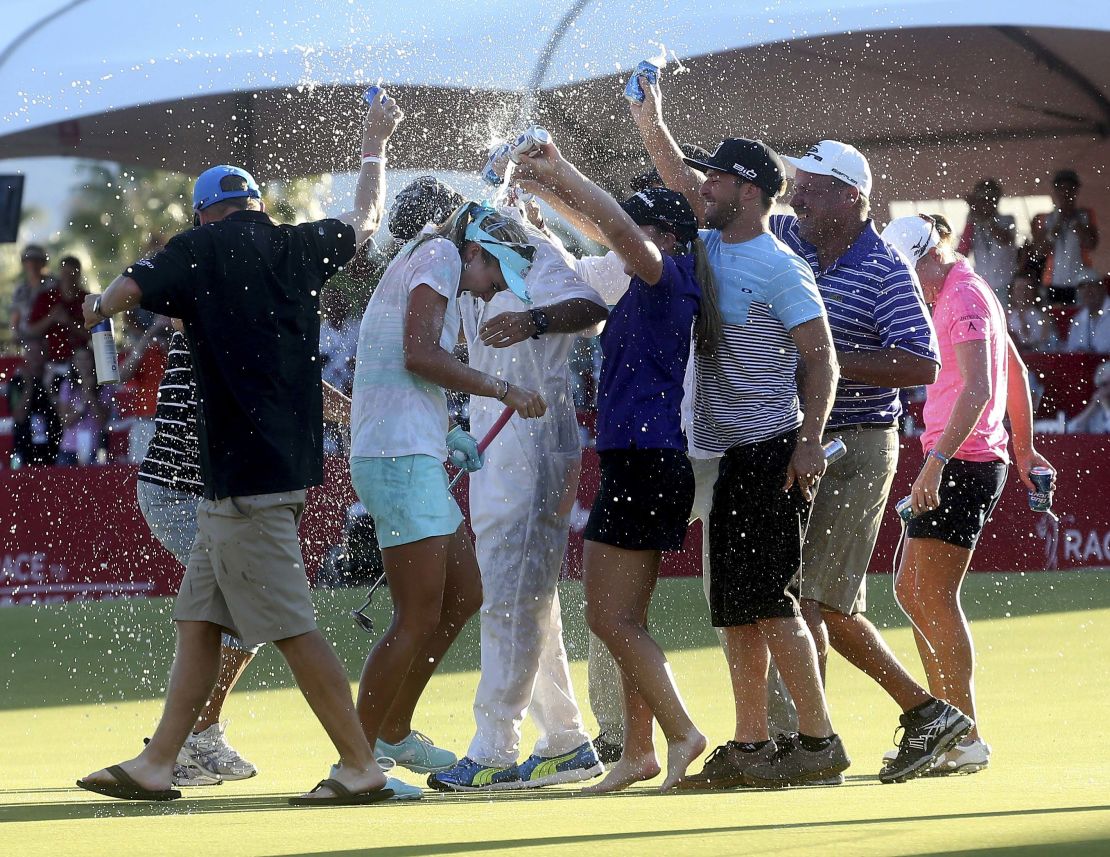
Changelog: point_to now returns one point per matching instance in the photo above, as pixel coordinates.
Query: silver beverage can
(1041, 499)
(834, 449)
(904, 508)
(493, 173)
(104, 353)
(532, 138)
(632, 90)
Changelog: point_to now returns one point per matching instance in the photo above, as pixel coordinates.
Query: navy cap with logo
(752, 160)
(658, 206)
(222, 183)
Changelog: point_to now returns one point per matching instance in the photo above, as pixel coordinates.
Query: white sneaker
(210, 751)
(963, 759)
(185, 773)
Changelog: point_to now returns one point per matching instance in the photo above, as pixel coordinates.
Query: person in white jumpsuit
(520, 503)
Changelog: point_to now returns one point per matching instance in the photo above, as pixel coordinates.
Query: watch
(541, 322)
(96, 306)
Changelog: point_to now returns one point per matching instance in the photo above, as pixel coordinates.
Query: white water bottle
(104, 353)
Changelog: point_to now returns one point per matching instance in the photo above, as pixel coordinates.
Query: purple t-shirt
(645, 347)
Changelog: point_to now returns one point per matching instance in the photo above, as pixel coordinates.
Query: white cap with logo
(839, 160)
(912, 236)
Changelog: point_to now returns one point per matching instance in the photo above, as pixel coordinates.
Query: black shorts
(969, 491)
(755, 534)
(644, 500)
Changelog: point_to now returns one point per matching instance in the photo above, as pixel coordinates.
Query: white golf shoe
(210, 751)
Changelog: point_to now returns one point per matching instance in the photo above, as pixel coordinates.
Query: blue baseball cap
(208, 190)
(515, 259)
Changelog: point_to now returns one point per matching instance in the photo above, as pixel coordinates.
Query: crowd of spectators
(59, 415)
(1057, 302)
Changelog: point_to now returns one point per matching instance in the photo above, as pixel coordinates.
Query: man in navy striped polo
(884, 340)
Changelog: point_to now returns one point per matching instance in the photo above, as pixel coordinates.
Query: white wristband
(373, 159)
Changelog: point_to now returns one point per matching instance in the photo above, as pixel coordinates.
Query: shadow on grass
(81, 653)
(83, 808)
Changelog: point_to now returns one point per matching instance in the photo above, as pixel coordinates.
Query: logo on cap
(746, 172)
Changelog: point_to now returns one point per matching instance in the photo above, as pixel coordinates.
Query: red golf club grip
(494, 430)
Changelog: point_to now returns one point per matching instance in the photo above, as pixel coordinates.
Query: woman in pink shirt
(982, 380)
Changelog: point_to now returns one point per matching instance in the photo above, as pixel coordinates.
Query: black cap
(1066, 176)
(752, 160)
(33, 251)
(657, 206)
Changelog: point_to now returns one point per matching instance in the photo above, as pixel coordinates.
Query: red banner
(77, 532)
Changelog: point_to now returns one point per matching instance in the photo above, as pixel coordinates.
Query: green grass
(81, 684)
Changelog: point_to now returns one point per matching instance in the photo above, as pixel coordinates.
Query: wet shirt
(248, 292)
(395, 412)
(746, 391)
(968, 311)
(874, 303)
(645, 347)
(173, 458)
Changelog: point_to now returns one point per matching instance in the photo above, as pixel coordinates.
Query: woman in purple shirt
(647, 485)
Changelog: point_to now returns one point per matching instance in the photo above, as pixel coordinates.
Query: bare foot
(152, 777)
(624, 773)
(358, 780)
(680, 755)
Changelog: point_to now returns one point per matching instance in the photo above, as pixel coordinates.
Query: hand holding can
(1040, 500)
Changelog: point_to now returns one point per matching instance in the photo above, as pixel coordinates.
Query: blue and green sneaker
(468, 776)
(579, 764)
(417, 753)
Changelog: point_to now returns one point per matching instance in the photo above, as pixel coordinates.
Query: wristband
(939, 456)
(373, 159)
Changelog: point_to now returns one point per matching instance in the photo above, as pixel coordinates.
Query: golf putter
(367, 622)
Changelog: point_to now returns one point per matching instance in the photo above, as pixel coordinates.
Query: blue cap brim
(514, 267)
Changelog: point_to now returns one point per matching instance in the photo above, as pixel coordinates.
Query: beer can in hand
(372, 94)
(104, 353)
(531, 139)
(493, 173)
(904, 508)
(1041, 499)
(834, 449)
(632, 90)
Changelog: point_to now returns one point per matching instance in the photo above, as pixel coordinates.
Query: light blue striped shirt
(746, 392)
(874, 302)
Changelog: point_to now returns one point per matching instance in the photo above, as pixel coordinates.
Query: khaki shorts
(245, 570)
(844, 523)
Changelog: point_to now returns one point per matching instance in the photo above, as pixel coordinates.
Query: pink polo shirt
(967, 310)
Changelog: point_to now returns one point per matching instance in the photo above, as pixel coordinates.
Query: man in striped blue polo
(884, 340)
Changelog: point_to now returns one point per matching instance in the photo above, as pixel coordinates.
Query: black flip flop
(342, 796)
(125, 787)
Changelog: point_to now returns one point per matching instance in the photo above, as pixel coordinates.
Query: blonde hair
(707, 326)
(498, 225)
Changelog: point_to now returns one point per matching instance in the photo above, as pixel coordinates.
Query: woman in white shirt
(399, 440)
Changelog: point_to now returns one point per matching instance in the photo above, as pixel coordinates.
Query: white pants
(520, 504)
(604, 680)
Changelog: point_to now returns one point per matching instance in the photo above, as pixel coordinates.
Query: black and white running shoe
(925, 738)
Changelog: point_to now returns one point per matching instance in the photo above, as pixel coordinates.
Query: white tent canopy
(937, 92)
